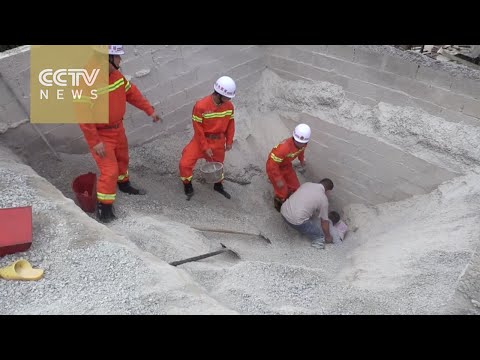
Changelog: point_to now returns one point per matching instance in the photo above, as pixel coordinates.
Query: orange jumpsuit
(114, 166)
(214, 127)
(279, 167)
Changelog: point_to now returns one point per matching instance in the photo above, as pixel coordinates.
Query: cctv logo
(75, 74)
(48, 77)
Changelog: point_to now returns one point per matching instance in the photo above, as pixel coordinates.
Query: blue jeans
(310, 228)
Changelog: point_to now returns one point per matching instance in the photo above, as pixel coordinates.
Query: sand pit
(409, 243)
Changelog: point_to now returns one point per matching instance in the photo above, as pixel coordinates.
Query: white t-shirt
(309, 200)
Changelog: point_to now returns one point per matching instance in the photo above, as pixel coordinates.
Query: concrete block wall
(370, 78)
(172, 77)
(365, 170)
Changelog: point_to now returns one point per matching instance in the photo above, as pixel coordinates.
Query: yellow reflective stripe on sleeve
(275, 158)
(101, 196)
(111, 87)
(292, 155)
(218, 115)
(186, 178)
(197, 119)
(128, 86)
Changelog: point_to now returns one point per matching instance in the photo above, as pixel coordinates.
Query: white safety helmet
(225, 86)
(302, 133)
(110, 49)
(115, 50)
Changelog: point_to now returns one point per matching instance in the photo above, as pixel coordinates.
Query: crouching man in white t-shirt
(306, 210)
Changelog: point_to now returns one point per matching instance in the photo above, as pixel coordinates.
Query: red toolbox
(15, 230)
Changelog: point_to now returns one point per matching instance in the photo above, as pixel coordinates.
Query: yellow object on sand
(20, 270)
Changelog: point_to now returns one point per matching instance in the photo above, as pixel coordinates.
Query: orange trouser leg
(192, 152)
(108, 167)
(291, 180)
(190, 155)
(279, 192)
(290, 183)
(121, 153)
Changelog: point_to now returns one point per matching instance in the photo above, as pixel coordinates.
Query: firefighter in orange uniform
(214, 128)
(279, 164)
(108, 142)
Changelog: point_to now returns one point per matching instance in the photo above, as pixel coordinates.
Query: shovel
(204, 256)
(232, 232)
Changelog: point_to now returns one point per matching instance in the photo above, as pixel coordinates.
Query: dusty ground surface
(403, 258)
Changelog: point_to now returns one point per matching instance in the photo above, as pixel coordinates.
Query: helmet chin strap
(110, 60)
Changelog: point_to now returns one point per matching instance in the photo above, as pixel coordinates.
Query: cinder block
(160, 92)
(5, 95)
(341, 51)
(414, 88)
(313, 73)
(147, 82)
(14, 113)
(373, 76)
(239, 70)
(340, 80)
(471, 107)
(247, 68)
(400, 67)
(256, 65)
(233, 59)
(210, 71)
(281, 50)
(190, 50)
(366, 58)
(180, 115)
(324, 62)
(248, 81)
(172, 69)
(24, 84)
(275, 62)
(173, 101)
(285, 64)
(448, 99)
(138, 119)
(394, 97)
(437, 78)
(364, 89)
(466, 87)
(165, 54)
(456, 116)
(132, 66)
(302, 56)
(322, 49)
(184, 81)
(199, 91)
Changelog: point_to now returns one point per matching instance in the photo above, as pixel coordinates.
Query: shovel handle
(199, 257)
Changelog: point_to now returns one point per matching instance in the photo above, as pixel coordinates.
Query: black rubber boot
(105, 213)
(188, 188)
(127, 188)
(219, 187)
